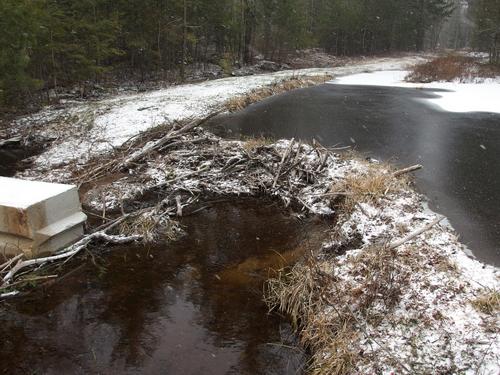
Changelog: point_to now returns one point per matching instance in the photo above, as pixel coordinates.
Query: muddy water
(192, 307)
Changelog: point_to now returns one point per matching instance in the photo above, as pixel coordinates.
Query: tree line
(49, 44)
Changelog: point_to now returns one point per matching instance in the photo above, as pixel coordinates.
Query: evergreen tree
(19, 22)
(487, 34)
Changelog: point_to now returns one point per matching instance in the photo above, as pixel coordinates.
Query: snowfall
(462, 340)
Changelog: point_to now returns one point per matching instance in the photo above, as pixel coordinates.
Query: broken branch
(414, 234)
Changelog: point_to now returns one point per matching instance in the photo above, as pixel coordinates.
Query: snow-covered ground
(482, 96)
(434, 328)
(85, 130)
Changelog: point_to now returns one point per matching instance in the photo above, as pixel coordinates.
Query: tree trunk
(184, 43)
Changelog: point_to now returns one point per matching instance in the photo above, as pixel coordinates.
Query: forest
(46, 45)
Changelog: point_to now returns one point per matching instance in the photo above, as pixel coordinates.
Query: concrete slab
(38, 217)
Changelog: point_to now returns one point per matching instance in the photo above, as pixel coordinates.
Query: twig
(191, 174)
(70, 251)
(7, 264)
(305, 205)
(179, 205)
(9, 294)
(413, 168)
(28, 280)
(162, 141)
(363, 210)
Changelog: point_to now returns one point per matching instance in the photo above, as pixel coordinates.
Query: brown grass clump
(299, 294)
(369, 186)
(337, 355)
(446, 68)
(240, 102)
(151, 228)
(450, 68)
(330, 312)
(488, 303)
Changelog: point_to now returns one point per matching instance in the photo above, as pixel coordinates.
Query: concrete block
(38, 218)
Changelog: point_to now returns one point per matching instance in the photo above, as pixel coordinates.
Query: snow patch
(483, 96)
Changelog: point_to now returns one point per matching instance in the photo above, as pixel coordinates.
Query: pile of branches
(200, 164)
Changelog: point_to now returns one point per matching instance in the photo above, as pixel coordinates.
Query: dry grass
(450, 68)
(369, 187)
(382, 281)
(309, 296)
(337, 355)
(298, 293)
(240, 102)
(488, 303)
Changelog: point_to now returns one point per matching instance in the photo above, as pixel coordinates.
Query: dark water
(11, 159)
(460, 151)
(191, 307)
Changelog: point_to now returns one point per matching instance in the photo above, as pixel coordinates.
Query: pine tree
(19, 22)
(487, 34)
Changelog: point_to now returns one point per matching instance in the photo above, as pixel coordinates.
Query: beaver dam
(384, 287)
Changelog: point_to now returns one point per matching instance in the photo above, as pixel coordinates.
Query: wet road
(190, 307)
(460, 151)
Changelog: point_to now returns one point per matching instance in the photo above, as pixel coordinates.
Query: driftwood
(69, 251)
(7, 264)
(413, 168)
(414, 234)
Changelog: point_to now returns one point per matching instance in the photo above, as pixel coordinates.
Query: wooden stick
(413, 168)
(414, 234)
(37, 278)
(9, 294)
(191, 174)
(162, 141)
(287, 151)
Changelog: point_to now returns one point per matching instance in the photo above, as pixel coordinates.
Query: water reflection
(170, 309)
